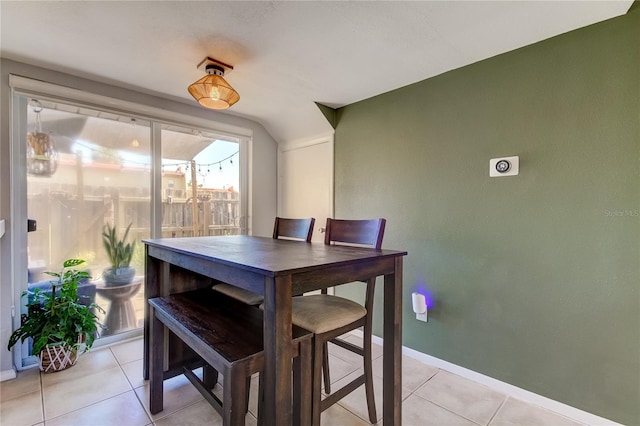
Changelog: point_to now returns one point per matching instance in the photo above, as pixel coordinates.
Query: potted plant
(119, 253)
(61, 327)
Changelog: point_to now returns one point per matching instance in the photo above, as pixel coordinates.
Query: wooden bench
(228, 336)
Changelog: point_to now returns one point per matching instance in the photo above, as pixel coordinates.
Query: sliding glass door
(87, 171)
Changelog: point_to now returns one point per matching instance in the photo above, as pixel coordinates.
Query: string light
(179, 166)
(207, 166)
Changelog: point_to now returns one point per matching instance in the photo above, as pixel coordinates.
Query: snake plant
(118, 251)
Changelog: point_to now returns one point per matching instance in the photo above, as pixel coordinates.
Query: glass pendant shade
(42, 157)
(213, 91)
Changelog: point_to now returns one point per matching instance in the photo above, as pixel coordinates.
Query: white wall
(262, 173)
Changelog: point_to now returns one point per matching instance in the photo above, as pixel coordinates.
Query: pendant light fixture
(212, 90)
(42, 156)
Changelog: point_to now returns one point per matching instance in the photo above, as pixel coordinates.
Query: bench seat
(228, 336)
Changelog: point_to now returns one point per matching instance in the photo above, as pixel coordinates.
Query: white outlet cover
(1, 227)
(513, 169)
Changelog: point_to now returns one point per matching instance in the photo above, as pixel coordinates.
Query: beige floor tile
(200, 413)
(88, 363)
(340, 416)
(128, 351)
(515, 412)
(420, 412)
(178, 394)
(70, 395)
(98, 390)
(356, 401)
(124, 409)
(414, 372)
(339, 368)
(22, 410)
(345, 355)
(133, 371)
(26, 381)
(462, 396)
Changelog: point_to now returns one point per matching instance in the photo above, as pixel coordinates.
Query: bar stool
(330, 316)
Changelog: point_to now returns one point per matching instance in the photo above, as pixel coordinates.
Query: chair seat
(244, 296)
(320, 313)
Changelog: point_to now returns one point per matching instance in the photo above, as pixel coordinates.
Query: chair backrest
(367, 232)
(301, 229)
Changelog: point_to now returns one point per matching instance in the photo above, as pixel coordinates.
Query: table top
(269, 256)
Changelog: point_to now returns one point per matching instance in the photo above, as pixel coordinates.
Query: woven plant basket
(57, 358)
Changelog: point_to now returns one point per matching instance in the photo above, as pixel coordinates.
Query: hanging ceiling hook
(36, 105)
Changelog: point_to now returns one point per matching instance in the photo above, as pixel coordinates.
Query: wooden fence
(70, 222)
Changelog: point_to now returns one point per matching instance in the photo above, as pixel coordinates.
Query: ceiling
(287, 54)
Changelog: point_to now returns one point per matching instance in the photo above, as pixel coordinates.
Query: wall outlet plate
(1, 227)
(504, 166)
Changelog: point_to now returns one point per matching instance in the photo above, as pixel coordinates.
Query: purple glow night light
(421, 288)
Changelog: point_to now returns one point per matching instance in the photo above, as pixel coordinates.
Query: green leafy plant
(57, 317)
(118, 251)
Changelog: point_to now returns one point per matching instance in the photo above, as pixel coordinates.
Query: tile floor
(106, 388)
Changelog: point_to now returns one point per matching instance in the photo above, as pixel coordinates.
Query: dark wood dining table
(277, 269)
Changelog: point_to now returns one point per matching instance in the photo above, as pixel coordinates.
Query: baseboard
(505, 388)
(7, 375)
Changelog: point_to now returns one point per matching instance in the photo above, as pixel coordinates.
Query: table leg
(302, 385)
(277, 351)
(156, 277)
(156, 363)
(392, 347)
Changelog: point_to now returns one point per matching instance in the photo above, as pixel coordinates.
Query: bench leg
(156, 364)
(209, 376)
(234, 391)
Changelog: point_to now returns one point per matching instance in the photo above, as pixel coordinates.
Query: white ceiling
(287, 55)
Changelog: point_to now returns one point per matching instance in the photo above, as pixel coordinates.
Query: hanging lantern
(42, 157)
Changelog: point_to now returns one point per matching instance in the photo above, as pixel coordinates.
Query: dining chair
(283, 228)
(329, 316)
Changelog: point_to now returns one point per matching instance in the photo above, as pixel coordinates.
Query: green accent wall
(329, 113)
(534, 279)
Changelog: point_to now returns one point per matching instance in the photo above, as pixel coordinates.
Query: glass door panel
(211, 206)
(93, 171)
